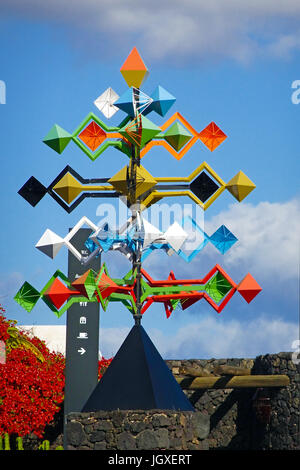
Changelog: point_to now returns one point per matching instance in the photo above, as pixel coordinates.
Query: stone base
(138, 430)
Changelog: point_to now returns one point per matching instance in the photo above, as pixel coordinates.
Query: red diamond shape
(212, 136)
(92, 136)
(106, 286)
(58, 293)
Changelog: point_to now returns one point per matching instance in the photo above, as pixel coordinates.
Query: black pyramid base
(137, 379)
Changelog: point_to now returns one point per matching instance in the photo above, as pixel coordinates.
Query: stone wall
(283, 430)
(137, 430)
(235, 422)
(229, 410)
(232, 415)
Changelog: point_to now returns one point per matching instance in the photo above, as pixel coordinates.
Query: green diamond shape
(140, 136)
(177, 136)
(90, 285)
(218, 287)
(57, 138)
(27, 296)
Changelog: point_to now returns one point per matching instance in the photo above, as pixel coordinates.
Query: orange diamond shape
(212, 136)
(92, 136)
(249, 288)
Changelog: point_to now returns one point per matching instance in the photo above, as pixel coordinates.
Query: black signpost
(82, 338)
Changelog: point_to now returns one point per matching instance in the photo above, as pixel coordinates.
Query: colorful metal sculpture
(135, 136)
(203, 186)
(216, 288)
(138, 238)
(176, 135)
(171, 241)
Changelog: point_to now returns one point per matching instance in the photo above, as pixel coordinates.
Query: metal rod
(136, 162)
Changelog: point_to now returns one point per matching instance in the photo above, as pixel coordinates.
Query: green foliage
(6, 441)
(45, 445)
(19, 441)
(17, 340)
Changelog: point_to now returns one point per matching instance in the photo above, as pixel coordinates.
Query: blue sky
(238, 72)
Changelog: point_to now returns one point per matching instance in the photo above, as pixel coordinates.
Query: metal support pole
(136, 264)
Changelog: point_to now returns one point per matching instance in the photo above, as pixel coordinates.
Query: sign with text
(82, 336)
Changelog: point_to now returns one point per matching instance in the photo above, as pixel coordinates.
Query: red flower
(31, 390)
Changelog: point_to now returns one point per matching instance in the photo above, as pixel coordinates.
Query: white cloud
(268, 237)
(284, 45)
(213, 336)
(110, 339)
(176, 30)
(210, 336)
(267, 246)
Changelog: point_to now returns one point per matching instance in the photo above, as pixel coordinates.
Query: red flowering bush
(31, 382)
(102, 366)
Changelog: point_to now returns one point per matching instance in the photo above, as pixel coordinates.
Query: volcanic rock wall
(240, 419)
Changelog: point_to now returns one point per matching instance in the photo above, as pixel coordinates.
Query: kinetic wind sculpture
(137, 239)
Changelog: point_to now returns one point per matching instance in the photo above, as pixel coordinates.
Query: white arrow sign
(81, 350)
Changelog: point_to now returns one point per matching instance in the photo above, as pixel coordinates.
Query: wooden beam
(194, 371)
(231, 370)
(247, 381)
(218, 370)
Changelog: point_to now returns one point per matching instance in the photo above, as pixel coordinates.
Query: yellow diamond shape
(68, 188)
(119, 181)
(144, 181)
(240, 186)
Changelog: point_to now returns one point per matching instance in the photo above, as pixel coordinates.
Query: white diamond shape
(105, 103)
(175, 236)
(50, 243)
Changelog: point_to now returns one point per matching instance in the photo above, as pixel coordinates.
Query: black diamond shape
(203, 187)
(33, 191)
